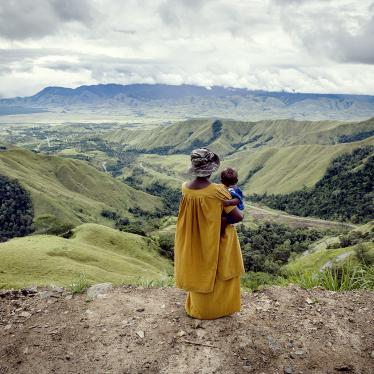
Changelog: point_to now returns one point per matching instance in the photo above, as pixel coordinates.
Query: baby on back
(229, 178)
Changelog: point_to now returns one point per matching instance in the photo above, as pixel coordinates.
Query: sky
(324, 46)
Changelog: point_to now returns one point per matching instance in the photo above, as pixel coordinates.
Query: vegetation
(79, 284)
(338, 278)
(269, 246)
(100, 253)
(66, 192)
(16, 210)
(345, 193)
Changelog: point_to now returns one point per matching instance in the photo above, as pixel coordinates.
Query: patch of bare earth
(134, 330)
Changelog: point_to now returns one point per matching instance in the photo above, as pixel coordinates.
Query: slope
(68, 192)
(228, 136)
(102, 254)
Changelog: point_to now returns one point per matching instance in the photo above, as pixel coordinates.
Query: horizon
(192, 85)
(303, 46)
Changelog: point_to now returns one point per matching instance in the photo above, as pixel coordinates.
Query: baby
(229, 178)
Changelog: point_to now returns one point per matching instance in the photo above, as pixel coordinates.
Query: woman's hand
(236, 215)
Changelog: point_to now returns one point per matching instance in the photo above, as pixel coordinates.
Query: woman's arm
(231, 202)
(236, 215)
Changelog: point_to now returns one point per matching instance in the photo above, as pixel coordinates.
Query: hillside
(345, 192)
(68, 192)
(227, 136)
(136, 330)
(187, 101)
(94, 252)
(330, 250)
(271, 156)
(268, 169)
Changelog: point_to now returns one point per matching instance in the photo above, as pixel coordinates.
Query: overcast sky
(302, 45)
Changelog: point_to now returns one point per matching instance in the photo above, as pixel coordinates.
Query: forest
(345, 192)
(16, 210)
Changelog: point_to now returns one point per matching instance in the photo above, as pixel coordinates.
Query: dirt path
(280, 330)
(261, 213)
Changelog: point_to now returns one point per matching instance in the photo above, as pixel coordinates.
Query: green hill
(68, 192)
(344, 193)
(274, 156)
(269, 169)
(101, 253)
(228, 136)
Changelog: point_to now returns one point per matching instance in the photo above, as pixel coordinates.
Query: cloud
(306, 45)
(24, 19)
(341, 31)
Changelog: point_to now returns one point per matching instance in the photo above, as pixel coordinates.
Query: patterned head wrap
(203, 162)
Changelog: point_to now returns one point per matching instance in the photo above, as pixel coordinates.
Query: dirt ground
(136, 330)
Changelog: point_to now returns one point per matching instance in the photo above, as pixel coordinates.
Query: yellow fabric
(201, 258)
(223, 301)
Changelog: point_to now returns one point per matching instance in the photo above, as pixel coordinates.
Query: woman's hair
(203, 162)
(229, 176)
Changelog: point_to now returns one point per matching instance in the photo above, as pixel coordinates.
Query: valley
(125, 176)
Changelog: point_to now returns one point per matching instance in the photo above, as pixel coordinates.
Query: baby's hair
(229, 176)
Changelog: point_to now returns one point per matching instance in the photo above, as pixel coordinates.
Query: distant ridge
(194, 101)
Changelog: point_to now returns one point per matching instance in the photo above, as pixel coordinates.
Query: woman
(207, 265)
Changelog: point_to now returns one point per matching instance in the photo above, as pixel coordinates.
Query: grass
(68, 192)
(79, 284)
(346, 277)
(100, 253)
(298, 153)
(253, 281)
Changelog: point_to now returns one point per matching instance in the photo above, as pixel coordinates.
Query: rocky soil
(136, 330)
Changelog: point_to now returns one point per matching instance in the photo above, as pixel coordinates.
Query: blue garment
(236, 193)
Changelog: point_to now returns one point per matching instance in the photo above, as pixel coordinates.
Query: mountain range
(186, 101)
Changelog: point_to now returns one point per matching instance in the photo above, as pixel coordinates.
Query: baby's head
(229, 177)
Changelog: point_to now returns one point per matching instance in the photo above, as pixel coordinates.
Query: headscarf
(203, 162)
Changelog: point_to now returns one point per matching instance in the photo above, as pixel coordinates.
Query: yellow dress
(206, 265)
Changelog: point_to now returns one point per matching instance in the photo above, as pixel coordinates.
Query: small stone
(247, 367)
(198, 324)
(103, 330)
(8, 327)
(181, 333)
(299, 353)
(57, 289)
(163, 306)
(140, 310)
(372, 354)
(309, 301)
(288, 370)
(68, 297)
(98, 289)
(25, 314)
(26, 351)
(141, 334)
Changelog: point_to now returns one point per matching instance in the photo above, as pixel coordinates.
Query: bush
(166, 246)
(256, 280)
(79, 284)
(16, 210)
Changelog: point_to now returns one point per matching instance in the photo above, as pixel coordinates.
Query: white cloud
(310, 46)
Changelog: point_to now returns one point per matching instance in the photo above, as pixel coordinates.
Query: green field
(100, 253)
(68, 192)
(277, 156)
(320, 254)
